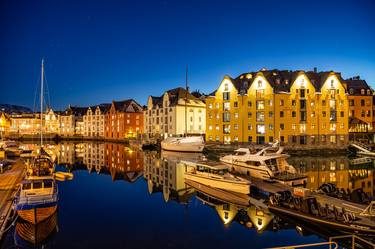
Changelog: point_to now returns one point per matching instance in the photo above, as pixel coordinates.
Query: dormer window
(278, 81)
(286, 82)
(351, 91)
(362, 91)
(368, 92)
(245, 84)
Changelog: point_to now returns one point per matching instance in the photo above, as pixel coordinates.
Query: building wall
(94, 123)
(120, 125)
(361, 107)
(300, 116)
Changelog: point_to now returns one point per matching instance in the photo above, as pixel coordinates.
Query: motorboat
(183, 144)
(36, 199)
(216, 175)
(268, 163)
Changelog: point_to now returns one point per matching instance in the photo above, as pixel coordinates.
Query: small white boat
(216, 175)
(267, 163)
(183, 144)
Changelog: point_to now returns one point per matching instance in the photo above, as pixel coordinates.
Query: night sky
(97, 51)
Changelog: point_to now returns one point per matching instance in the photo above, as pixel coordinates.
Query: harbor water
(124, 198)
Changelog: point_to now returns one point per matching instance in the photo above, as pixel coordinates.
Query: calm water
(121, 198)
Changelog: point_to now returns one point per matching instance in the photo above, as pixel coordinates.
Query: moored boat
(183, 144)
(266, 164)
(37, 198)
(215, 175)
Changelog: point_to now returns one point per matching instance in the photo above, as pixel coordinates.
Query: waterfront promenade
(9, 181)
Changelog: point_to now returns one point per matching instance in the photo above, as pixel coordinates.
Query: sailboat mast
(41, 104)
(186, 93)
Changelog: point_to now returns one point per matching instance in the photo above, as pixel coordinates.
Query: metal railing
(332, 243)
(327, 243)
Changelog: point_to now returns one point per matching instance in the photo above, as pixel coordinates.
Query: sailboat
(37, 197)
(186, 143)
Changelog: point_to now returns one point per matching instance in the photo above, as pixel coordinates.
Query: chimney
(315, 70)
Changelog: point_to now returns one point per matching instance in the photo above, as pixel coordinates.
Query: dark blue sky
(96, 51)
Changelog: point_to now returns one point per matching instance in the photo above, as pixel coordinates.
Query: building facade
(5, 122)
(175, 113)
(293, 107)
(360, 97)
(94, 120)
(71, 121)
(124, 120)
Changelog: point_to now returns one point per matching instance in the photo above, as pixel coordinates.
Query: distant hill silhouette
(14, 109)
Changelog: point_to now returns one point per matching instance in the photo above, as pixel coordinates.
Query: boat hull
(225, 196)
(349, 228)
(182, 147)
(238, 187)
(36, 213)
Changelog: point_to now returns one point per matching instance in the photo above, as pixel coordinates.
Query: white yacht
(183, 144)
(216, 175)
(268, 163)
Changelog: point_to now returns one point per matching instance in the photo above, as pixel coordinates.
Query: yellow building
(4, 124)
(294, 107)
(360, 105)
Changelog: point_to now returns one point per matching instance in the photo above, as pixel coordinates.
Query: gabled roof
(281, 80)
(174, 95)
(355, 85)
(129, 105)
(74, 110)
(104, 108)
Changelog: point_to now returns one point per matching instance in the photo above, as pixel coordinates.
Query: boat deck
(268, 187)
(9, 181)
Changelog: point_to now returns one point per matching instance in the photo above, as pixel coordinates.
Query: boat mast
(41, 105)
(186, 93)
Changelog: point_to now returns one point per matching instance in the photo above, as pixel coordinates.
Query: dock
(9, 181)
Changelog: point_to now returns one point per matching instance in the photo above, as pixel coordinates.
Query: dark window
(250, 139)
(270, 139)
(226, 95)
(249, 104)
(249, 114)
(342, 114)
(302, 93)
(302, 139)
(293, 103)
(282, 138)
(362, 102)
(293, 114)
(333, 116)
(281, 114)
(294, 139)
(281, 126)
(303, 116)
(302, 104)
(235, 104)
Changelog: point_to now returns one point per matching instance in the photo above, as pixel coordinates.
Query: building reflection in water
(123, 162)
(338, 170)
(163, 175)
(28, 235)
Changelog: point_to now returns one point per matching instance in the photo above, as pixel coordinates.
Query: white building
(71, 121)
(94, 120)
(169, 115)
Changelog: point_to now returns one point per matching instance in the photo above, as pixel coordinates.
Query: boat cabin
(217, 169)
(37, 187)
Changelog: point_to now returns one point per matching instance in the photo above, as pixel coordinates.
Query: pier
(9, 181)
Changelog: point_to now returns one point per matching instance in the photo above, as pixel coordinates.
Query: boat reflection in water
(163, 175)
(28, 235)
(338, 170)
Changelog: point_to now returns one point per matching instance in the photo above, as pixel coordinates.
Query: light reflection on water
(122, 197)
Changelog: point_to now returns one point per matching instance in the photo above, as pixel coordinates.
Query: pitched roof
(281, 80)
(75, 110)
(355, 85)
(104, 108)
(174, 95)
(129, 105)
